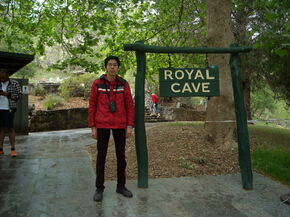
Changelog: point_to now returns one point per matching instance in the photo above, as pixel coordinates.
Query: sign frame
(242, 129)
(189, 82)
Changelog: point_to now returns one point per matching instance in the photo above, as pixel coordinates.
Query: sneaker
(285, 198)
(13, 153)
(1, 152)
(98, 194)
(124, 191)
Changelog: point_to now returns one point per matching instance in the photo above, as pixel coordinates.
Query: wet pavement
(53, 177)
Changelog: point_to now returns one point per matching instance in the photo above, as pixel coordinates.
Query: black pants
(6, 118)
(102, 147)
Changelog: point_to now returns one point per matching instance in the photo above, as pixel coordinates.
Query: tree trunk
(221, 108)
(247, 97)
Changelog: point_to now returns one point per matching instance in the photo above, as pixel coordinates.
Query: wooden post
(242, 127)
(140, 133)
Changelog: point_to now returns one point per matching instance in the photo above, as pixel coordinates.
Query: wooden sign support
(140, 134)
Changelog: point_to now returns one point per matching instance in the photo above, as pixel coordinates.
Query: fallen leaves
(173, 151)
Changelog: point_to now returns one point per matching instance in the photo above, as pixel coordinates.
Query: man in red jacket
(111, 107)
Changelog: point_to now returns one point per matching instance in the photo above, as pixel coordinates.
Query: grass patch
(271, 152)
(273, 162)
(270, 137)
(51, 101)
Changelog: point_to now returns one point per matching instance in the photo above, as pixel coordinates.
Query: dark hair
(112, 58)
(4, 70)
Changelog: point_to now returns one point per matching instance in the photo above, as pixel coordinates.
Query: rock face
(48, 87)
(59, 119)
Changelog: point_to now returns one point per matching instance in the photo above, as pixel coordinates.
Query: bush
(77, 86)
(265, 105)
(51, 101)
(39, 90)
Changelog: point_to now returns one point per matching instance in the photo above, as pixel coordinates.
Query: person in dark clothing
(10, 93)
(111, 108)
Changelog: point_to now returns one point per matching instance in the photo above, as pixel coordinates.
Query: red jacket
(154, 98)
(102, 92)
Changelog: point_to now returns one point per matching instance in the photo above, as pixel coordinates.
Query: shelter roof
(14, 61)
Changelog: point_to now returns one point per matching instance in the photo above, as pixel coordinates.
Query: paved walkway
(53, 177)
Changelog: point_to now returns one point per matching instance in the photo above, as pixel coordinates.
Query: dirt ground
(173, 151)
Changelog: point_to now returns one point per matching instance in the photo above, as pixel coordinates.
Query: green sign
(189, 81)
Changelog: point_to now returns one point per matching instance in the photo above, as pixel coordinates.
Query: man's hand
(94, 132)
(129, 132)
(4, 93)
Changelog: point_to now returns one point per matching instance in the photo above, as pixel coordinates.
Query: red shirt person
(154, 98)
(154, 105)
(111, 108)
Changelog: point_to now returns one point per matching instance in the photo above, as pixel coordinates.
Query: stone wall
(59, 119)
(77, 118)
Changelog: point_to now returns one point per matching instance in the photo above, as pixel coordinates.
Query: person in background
(154, 105)
(10, 93)
(111, 108)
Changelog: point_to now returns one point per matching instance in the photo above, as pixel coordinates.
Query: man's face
(3, 76)
(112, 67)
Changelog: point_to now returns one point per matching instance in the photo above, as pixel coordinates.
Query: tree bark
(247, 97)
(221, 108)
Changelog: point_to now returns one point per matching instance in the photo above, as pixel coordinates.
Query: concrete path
(53, 177)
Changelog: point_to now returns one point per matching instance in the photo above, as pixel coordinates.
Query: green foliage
(38, 90)
(264, 25)
(177, 23)
(27, 71)
(272, 26)
(262, 103)
(87, 31)
(265, 106)
(282, 110)
(51, 101)
(78, 85)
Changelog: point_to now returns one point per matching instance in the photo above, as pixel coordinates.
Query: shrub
(39, 90)
(77, 86)
(51, 101)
